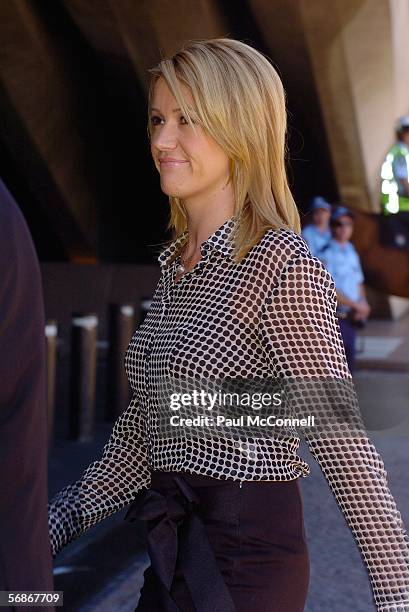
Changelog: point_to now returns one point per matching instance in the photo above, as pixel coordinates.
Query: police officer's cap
(402, 123)
(320, 202)
(341, 211)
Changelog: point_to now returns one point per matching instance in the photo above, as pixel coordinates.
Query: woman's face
(192, 166)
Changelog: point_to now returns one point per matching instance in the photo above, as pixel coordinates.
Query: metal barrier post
(83, 375)
(120, 330)
(51, 333)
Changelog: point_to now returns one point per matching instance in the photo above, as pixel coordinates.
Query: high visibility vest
(391, 201)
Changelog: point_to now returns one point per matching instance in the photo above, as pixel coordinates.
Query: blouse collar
(219, 240)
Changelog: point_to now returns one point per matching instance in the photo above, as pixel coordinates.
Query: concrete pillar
(147, 30)
(42, 131)
(358, 53)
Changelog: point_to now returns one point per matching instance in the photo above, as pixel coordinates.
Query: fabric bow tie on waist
(174, 525)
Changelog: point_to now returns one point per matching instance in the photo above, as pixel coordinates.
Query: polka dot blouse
(269, 317)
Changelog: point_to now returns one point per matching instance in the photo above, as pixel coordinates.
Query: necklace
(184, 262)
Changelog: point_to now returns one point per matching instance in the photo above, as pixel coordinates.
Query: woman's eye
(185, 120)
(154, 118)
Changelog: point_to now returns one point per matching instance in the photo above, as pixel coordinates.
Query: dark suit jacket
(25, 554)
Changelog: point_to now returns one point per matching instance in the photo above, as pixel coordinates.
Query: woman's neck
(201, 225)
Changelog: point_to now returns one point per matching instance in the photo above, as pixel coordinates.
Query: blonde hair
(240, 102)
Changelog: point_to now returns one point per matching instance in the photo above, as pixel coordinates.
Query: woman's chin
(172, 194)
(172, 191)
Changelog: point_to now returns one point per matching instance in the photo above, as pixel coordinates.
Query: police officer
(318, 233)
(395, 172)
(342, 261)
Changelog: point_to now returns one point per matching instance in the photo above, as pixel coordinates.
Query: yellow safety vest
(391, 201)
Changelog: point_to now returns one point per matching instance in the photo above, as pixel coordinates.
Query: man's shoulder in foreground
(10, 214)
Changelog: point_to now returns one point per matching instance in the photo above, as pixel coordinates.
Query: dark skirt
(215, 545)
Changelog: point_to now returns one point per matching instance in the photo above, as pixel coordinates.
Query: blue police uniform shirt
(343, 263)
(399, 164)
(400, 167)
(315, 238)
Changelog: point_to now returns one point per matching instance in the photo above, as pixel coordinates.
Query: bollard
(51, 332)
(143, 309)
(120, 331)
(83, 375)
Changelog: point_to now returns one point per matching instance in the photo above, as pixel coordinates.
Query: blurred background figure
(318, 233)
(395, 171)
(342, 261)
(25, 553)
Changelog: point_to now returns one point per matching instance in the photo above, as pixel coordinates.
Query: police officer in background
(342, 261)
(395, 172)
(318, 233)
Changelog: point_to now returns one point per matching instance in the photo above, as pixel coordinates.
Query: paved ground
(102, 571)
(384, 345)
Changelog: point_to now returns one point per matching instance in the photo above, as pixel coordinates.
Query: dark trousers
(257, 541)
(348, 333)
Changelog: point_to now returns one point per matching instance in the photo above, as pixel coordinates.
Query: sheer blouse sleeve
(107, 485)
(300, 332)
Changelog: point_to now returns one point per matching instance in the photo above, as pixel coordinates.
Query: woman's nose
(165, 138)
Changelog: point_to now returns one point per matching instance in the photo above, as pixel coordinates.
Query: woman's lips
(172, 163)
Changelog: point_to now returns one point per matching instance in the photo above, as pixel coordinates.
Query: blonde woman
(240, 299)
